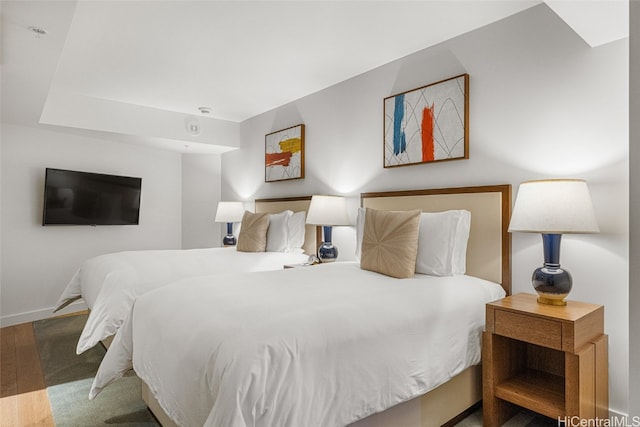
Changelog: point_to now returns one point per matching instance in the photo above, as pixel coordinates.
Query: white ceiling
(103, 62)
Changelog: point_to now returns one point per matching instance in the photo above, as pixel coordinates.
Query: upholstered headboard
(312, 236)
(489, 247)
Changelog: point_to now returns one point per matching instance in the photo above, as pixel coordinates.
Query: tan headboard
(312, 235)
(489, 248)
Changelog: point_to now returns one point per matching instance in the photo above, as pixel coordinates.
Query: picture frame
(284, 154)
(428, 124)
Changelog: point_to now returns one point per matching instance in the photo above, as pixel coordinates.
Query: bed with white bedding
(317, 346)
(110, 283)
(325, 345)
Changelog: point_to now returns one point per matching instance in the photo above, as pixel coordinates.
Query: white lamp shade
(229, 212)
(554, 206)
(328, 210)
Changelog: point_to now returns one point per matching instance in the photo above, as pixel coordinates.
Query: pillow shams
(278, 232)
(296, 232)
(286, 232)
(253, 233)
(442, 243)
(390, 242)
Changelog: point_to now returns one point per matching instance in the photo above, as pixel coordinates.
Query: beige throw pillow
(253, 233)
(390, 242)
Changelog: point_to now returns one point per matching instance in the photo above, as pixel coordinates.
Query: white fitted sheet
(110, 283)
(317, 346)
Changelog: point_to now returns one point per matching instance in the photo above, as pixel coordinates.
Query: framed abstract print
(427, 124)
(284, 154)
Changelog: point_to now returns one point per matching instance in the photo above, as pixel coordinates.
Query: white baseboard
(31, 316)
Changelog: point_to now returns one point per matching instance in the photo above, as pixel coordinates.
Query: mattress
(317, 346)
(110, 283)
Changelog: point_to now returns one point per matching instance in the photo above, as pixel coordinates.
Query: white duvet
(316, 346)
(110, 283)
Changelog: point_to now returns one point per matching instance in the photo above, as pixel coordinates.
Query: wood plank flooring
(23, 395)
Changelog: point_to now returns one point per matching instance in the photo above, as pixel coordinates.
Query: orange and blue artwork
(284, 154)
(427, 124)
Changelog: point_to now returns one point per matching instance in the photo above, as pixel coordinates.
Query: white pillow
(296, 231)
(277, 234)
(442, 243)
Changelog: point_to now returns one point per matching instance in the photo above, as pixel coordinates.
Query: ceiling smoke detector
(39, 32)
(205, 110)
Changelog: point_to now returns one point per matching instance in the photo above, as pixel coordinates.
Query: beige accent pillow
(253, 233)
(390, 242)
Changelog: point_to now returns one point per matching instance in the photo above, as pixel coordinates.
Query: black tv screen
(83, 198)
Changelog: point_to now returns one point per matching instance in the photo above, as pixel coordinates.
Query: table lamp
(327, 211)
(229, 212)
(553, 207)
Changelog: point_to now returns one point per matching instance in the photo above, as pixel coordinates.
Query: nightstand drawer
(534, 330)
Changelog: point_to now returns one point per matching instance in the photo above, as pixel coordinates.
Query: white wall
(634, 210)
(200, 196)
(37, 262)
(542, 104)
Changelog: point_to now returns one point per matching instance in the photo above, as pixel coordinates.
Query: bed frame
(488, 257)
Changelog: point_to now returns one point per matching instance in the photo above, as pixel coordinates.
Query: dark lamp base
(552, 284)
(327, 252)
(229, 240)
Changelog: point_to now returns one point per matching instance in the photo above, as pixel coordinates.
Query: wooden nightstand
(549, 359)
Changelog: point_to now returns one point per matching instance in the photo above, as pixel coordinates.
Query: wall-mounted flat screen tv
(83, 198)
